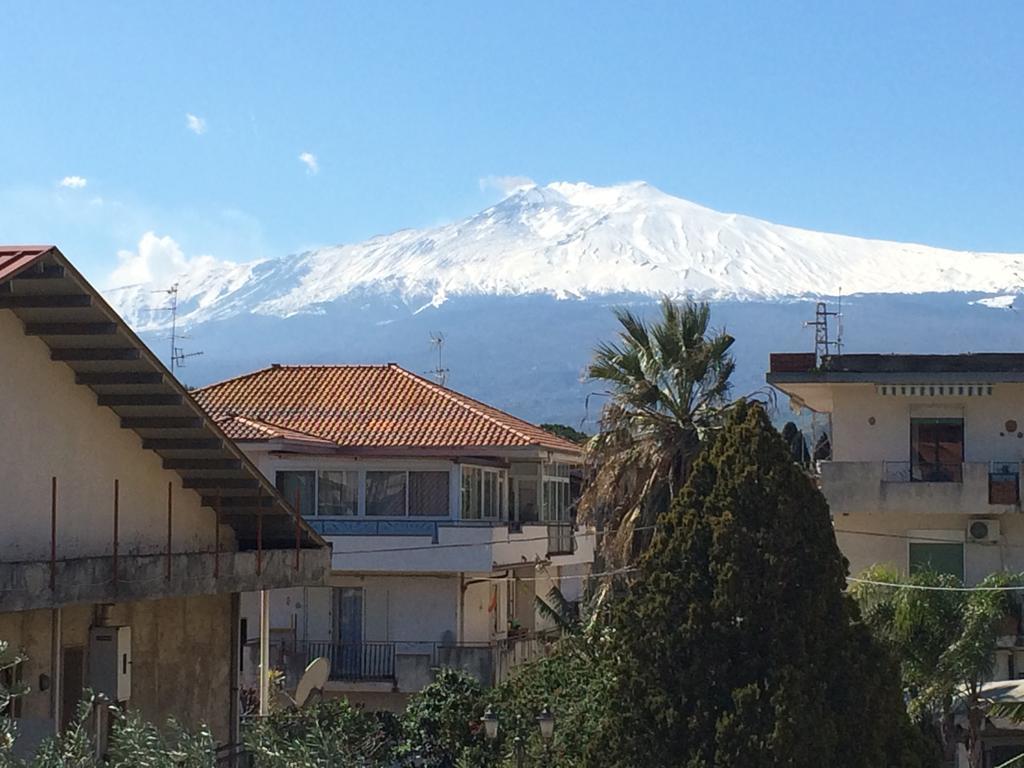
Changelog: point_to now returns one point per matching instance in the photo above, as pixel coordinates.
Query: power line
(933, 588)
(464, 544)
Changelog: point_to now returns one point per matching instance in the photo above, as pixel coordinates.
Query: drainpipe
(57, 683)
(235, 638)
(264, 653)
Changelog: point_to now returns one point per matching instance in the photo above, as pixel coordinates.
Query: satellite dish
(313, 679)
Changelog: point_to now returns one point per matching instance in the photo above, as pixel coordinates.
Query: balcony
(899, 487)
(410, 666)
(449, 546)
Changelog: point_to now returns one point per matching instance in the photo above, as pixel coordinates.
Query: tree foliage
(667, 387)
(566, 432)
(945, 640)
(738, 645)
(328, 733)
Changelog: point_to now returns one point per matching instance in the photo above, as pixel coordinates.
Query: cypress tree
(737, 645)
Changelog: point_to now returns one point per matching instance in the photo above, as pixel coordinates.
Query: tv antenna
(824, 344)
(440, 373)
(178, 354)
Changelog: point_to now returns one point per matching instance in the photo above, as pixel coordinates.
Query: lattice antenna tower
(824, 344)
(440, 372)
(178, 354)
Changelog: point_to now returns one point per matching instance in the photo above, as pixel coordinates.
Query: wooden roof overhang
(57, 305)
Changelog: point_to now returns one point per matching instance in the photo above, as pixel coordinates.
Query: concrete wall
(854, 438)
(53, 427)
(181, 659)
(869, 539)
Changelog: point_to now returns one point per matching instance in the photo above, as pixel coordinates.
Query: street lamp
(545, 720)
(490, 721)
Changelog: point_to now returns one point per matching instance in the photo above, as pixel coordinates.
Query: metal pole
(216, 539)
(264, 653)
(170, 528)
(117, 494)
(53, 533)
(259, 533)
(298, 526)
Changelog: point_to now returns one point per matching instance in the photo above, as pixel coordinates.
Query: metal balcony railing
(922, 472)
(1004, 482)
(357, 661)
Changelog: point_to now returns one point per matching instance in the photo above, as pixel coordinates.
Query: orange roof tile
(364, 406)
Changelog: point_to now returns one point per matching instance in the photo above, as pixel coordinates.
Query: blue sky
(900, 120)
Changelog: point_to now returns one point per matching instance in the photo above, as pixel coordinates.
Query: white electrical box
(110, 662)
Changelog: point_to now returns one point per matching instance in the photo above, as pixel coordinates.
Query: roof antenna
(823, 343)
(178, 355)
(440, 373)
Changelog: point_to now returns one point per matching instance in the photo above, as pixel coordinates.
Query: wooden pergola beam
(100, 378)
(70, 329)
(154, 398)
(161, 422)
(45, 301)
(98, 354)
(221, 482)
(181, 444)
(202, 464)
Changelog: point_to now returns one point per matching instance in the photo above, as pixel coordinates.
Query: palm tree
(667, 387)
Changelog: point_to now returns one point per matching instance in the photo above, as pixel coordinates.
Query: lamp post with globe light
(545, 721)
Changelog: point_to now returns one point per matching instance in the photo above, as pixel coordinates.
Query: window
(428, 494)
(300, 486)
(557, 493)
(338, 493)
(939, 557)
(385, 494)
(484, 493)
(388, 493)
(937, 450)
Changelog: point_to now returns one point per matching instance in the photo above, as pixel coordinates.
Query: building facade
(447, 518)
(922, 469)
(120, 568)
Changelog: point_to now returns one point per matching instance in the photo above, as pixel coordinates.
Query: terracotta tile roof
(364, 406)
(14, 258)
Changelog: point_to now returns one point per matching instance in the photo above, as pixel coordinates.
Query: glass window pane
(939, 558)
(338, 493)
(936, 449)
(428, 494)
(385, 494)
(471, 493)
(301, 486)
(490, 495)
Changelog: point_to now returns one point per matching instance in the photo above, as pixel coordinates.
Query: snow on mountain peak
(578, 240)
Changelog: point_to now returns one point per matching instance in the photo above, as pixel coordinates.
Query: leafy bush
(441, 726)
(329, 733)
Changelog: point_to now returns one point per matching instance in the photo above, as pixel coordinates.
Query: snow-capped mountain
(523, 292)
(577, 241)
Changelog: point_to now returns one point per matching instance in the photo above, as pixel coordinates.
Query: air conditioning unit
(984, 531)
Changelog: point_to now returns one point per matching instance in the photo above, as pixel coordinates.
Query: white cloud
(506, 185)
(73, 182)
(161, 261)
(309, 160)
(195, 124)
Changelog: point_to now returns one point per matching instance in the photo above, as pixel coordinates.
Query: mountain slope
(578, 241)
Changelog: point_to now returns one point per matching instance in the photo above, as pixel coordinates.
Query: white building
(447, 517)
(118, 570)
(924, 470)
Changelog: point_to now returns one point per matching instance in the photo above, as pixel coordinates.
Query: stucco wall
(181, 659)
(53, 427)
(869, 539)
(854, 438)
